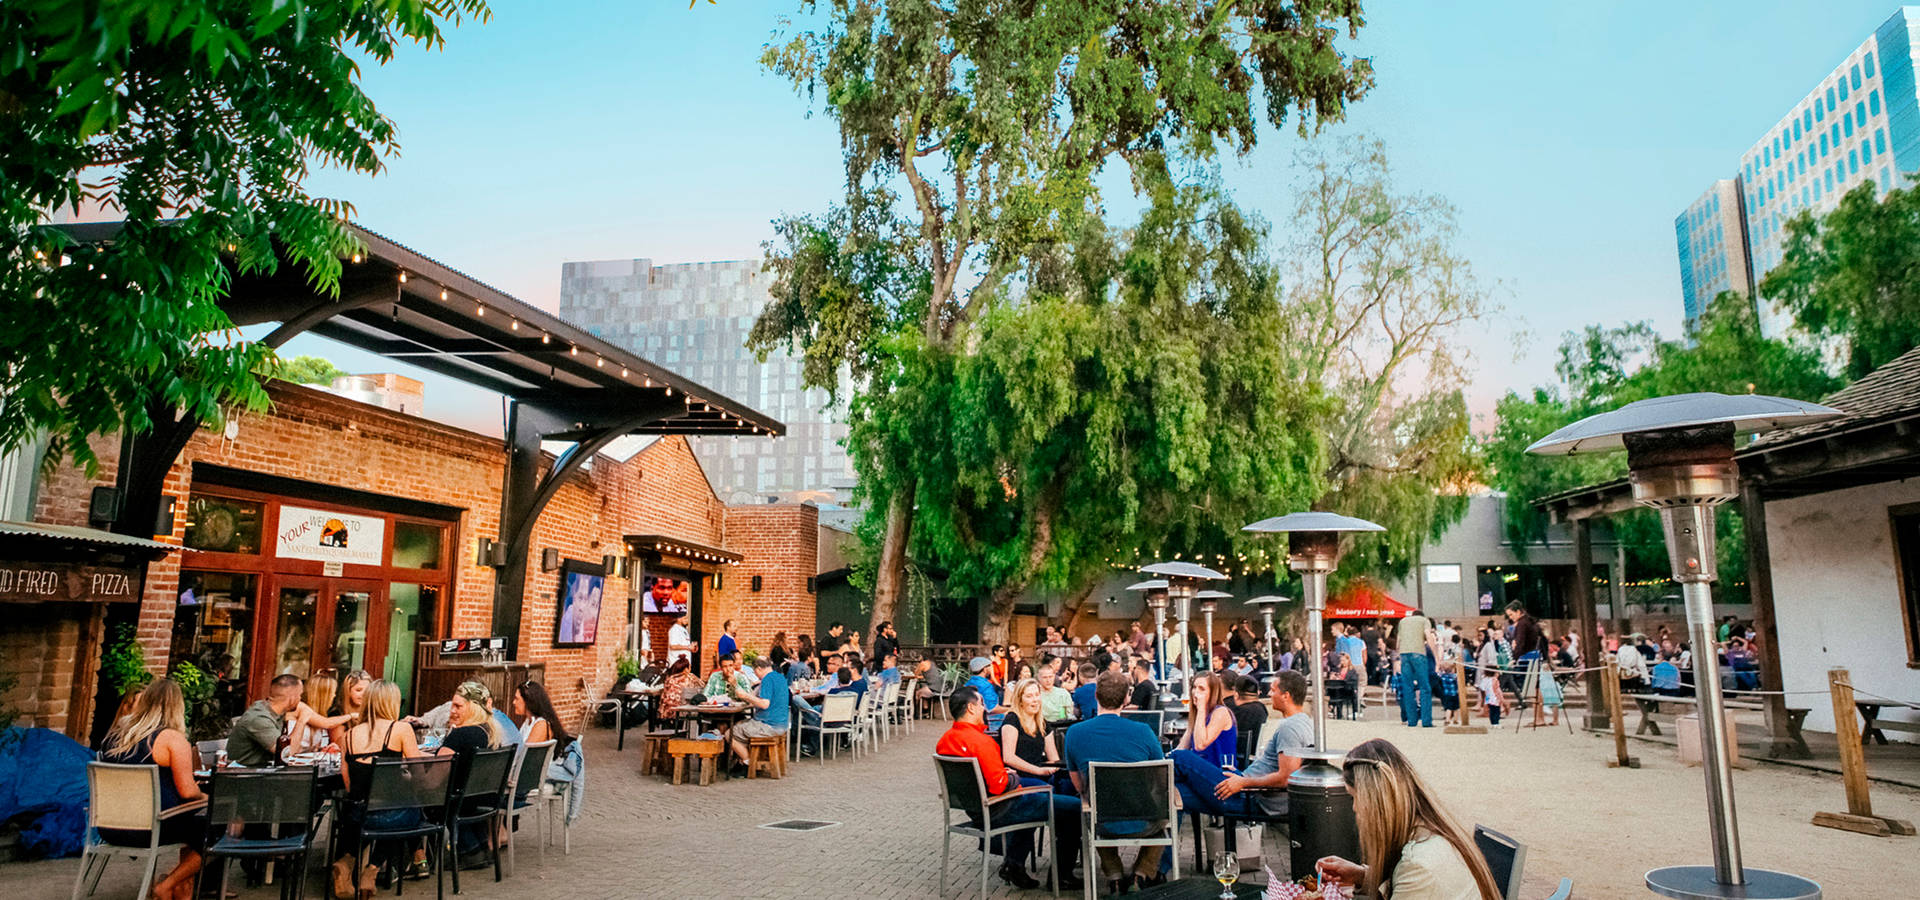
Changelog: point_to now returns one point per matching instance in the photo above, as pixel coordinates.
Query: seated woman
(155, 734)
(680, 688)
(1420, 851)
(309, 729)
(381, 734)
(473, 728)
(1212, 730)
(351, 703)
(1027, 746)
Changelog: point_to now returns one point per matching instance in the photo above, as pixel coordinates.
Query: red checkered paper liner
(1282, 889)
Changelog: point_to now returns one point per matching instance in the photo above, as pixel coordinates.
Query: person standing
(727, 643)
(680, 641)
(968, 738)
(886, 641)
(1412, 640)
(1349, 644)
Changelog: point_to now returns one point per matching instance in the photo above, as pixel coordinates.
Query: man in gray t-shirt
(1416, 670)
(1261, 791)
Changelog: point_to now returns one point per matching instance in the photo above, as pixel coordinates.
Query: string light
(623, 371)
(479, 310)
(356, 257)
(403, 276)
(516, 325)
(574, 350)
(545, 338)
(443, 294)
(598, 362)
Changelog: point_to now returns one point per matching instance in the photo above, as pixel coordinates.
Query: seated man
(255, 734)
(1110, 737)
(850, 680)
(1146, 694)
(983, 686)
(771, 711)
(1666, 680)
(968, 737)
(727, 679)
(1249, 714)
(1056, 705)
(889, 669)
(1085, 706)
(1207, 788)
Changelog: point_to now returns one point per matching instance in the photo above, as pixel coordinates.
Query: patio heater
(1680, 461)
(1156, 597)
(1266, 604)
(1209, 604)
(1183, 581)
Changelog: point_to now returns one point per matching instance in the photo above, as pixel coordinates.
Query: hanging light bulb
(356, 257)
(403, 276)
(546, 338)
(574, 350)
(443, 293)
(516, 325)
(479, 310)
(623, 371)
(598, 362)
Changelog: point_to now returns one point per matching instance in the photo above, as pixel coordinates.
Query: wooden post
(1466, 725)
(1753, 514)
(1610, 682)
(1853, 768)
(1587, 624)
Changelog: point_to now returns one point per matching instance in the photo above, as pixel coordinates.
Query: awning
(71, 538)
(1363, 599)
(70, 564)
(678, 551)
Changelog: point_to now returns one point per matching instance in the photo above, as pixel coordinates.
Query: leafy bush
(123, 664)
(626, 666)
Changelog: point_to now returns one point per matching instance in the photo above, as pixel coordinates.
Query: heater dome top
(1151, 584)
(1313, 521)
(1213, 595)
(1182, 570)
(1748, 413)
(1268, 600)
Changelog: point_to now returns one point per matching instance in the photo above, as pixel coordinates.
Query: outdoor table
(620, 711)
(1870, 714)
(1697, 883)
(722, 716)
(1198, 889)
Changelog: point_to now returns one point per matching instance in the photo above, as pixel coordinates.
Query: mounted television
(582, 585)
(666, 594)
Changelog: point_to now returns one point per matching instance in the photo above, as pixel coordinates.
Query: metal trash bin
(1320, 812)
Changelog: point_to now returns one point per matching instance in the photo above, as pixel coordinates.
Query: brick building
(334, 534)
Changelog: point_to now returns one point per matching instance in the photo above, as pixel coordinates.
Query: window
(1829, 98)
(1853, 164)
(1906, 557)
(417, 545)
(1796, 129)
(211, 629)
(1823, 146)
(1819, 112)
(1849, 126)
(1843, 91)
(1806, 118)
(1860, 114)
(1867, 64)
(1834, 132)
(223, 524)
(1856, 76)
(1879, 140)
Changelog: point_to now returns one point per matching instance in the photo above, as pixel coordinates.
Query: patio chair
(529, 779)
(1505, 856)
(263, 814)
(423, 783)
(209, 752)
(1128, 792)
(478, 798)
(836, 719)
(591, 707)
(964, 790)
(890, 706)
(903, 708)
(124, 797)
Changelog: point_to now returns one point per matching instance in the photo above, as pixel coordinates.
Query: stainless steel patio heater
(1680, 461)
(1156, 596)
(1266, 604)
(1209, 604)
(1183, 581)
(1313, 550)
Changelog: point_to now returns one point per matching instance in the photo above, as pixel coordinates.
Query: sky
(1568, 136)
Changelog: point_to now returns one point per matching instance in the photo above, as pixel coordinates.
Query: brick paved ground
(640, 837)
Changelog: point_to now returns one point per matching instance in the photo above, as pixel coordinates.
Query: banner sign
(319, 534)
(473, 644)
(28, 582)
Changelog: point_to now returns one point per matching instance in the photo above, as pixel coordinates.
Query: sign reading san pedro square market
(329, 536)
(40, 582)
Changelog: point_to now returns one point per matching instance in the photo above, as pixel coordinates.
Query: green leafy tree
(304, 370)
(1854, 274)
(197, 121)
(1604, 368)
(972, 133)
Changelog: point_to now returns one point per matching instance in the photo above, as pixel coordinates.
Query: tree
(305, 370)
(1854, 274)
(1379, 302)
(993, 118)
(1601, 369)
(197, 121)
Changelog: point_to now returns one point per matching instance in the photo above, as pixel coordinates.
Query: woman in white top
(309, 729)
(1420, 850)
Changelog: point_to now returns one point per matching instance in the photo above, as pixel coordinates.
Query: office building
(1712, 237)
(1859, 124)
(693, 318)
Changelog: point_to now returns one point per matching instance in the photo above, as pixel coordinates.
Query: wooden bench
(1874, 729)
(703, 753)
(653, 752)
(1650, 704)
(767, 754)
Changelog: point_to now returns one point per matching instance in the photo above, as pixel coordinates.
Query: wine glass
(1226, 868)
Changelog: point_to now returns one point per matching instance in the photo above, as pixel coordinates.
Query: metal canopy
(449, 323)
(1748, 413)
(1268, 600)
(1151, 584)
(1213, 595)
(1312, 521)
(1182, 570)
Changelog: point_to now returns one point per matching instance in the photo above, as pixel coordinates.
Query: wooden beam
(1753, 513)
(1584, 617)
(1859, 816)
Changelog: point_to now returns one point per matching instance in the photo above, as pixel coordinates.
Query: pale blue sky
(1569, 136)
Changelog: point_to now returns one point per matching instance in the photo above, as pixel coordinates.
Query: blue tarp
(43, 789)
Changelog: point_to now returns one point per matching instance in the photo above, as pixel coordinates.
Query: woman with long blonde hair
(309, 727)
(1415, 849)
(154, 733)
(379, 733)
(1026, 746)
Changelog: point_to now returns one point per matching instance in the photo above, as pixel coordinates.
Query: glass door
(296, 617)
(356, 625)
(326, 623)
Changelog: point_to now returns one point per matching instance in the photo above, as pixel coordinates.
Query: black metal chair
(1140, 792)
(478, 799)
(390, 785)
(529, 778)
(964, 790)
(1505, 856)
(263, 814)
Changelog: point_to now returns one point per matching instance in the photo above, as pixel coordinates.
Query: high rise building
(693, 318)
(1859, 124)
(1712, 236)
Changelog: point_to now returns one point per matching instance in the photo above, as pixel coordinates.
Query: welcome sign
(329, 536)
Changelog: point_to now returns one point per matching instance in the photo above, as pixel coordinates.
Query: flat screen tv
(582, 585)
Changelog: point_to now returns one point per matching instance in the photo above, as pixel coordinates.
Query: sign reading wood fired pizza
(329, 536)
(31, 582)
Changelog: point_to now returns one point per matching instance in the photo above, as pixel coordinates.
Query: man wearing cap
(983, 685)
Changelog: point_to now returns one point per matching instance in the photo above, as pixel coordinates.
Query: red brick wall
(315, 436)
(779, 543)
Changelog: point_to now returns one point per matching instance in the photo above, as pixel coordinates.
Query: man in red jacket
(968, 737)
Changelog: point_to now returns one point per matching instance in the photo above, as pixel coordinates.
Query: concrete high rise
(693, 318)
(1712, 236)
(1859, 124)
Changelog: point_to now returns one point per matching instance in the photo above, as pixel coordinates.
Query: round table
(1697, 883)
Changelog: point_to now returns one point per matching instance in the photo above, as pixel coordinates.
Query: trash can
(1320, 812)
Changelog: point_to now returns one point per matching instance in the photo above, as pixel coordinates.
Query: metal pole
(1209, 615)
(1160, 642)
(1186, 659)
(1315, 584)
(1266, 615)
(1715, 758)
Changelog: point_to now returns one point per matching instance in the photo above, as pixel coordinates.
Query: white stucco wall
(1836, 596)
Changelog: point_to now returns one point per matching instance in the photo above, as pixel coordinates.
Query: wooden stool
(705, 754)
(767, 752)
(653, 752)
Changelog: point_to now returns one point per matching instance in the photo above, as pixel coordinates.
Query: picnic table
(722, 716)
(1649, 705)
(1870, 714)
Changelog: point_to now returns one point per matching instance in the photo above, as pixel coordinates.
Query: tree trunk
(889, 581)
(1000, 605)
(1072, 607)
(999, 615)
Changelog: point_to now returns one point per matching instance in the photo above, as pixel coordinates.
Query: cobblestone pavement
(640, 837)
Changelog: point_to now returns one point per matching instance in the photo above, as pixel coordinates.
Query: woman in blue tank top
(1211, 731)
